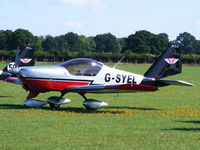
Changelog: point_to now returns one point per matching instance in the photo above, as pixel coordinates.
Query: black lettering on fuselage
(133, 80)
(118, 78)
(107, 77)
(123, 78)
(129, 79)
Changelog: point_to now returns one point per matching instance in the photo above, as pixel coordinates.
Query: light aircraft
(84, 75)
(25, 59)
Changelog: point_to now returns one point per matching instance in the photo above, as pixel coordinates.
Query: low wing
(123, 88)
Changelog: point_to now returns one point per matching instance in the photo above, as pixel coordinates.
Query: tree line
(142, 45)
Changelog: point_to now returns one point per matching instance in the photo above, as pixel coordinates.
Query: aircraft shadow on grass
(187, 129)
(107, 109)
(12, 106)
(5, 96)
(190, 121)
(67, 109)
(132, 108)
(76, 109)
(82, 110)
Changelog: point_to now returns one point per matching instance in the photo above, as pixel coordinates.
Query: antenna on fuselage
(17, 58)
(118, 62)
(15, 68)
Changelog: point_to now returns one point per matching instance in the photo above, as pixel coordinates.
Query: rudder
(25, 59)
(168, 63)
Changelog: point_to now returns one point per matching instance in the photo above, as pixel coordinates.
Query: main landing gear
(55, 102)
(92, 104)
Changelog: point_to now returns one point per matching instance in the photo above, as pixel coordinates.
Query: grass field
(166, 119)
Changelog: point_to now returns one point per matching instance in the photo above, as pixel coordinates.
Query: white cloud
(76, 2)
(72, 24)
(28, 0)
(94, 4)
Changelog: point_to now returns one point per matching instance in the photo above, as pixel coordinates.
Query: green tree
(88, 43)
(3, 41)
(49, 43)
(62, 43)
(122, 43)
(144, 35)
(73, 42)
(54, 53)
(158, 43)
(155, 44)
(9, 39)
(136, 44)
(198, 46)
(139, 42)
(66, 53)
(107, 43)
(188, 42)
(146, 42)
(164, 41)
(21, 38)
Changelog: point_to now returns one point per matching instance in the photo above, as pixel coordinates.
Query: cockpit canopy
(82, 66)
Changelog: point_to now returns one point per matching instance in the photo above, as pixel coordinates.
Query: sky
(91, 17)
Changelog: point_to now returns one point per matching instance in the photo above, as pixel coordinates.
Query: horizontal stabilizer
(173, 82)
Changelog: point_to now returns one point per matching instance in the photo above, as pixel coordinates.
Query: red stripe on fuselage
(50, 85)
(136, 87)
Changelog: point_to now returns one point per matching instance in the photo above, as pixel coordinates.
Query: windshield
(82, 67)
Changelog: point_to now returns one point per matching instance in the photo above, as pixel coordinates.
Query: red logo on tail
(171, 60)
(25, 60)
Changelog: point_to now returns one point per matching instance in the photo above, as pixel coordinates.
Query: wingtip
(187, 83)
(193, 85)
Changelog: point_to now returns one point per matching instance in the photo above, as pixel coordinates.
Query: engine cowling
(94, 104)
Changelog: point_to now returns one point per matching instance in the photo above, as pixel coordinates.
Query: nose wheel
(55, 102)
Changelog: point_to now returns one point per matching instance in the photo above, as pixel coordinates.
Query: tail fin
(168, 63)
(25, 58)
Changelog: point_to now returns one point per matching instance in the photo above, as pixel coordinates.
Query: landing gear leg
(62, 94)
(92, 104)
(83, 95)
(54, 105)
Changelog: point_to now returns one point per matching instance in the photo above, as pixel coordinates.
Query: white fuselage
(109, 75)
